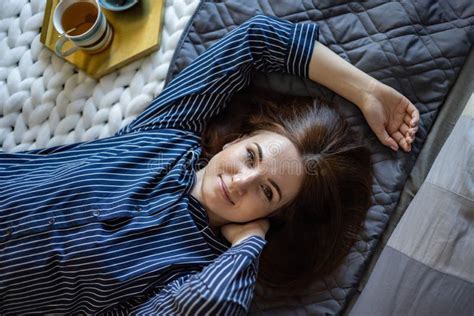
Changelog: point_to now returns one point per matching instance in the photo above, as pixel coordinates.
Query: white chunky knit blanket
(45, 102)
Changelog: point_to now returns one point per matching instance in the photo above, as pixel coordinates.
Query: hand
(391, 116)
(235, 233)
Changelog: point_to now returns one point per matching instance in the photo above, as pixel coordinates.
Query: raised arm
(203, 89)
(392, 117)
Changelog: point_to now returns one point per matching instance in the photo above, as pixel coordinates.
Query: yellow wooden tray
(137, 32)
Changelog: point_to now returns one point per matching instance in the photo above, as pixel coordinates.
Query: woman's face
(249, 179)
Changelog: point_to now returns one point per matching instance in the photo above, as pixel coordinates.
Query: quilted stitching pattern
(416, 47)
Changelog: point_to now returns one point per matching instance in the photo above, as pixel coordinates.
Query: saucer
(109, 5)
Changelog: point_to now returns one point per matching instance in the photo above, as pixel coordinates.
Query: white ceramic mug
(82, 23)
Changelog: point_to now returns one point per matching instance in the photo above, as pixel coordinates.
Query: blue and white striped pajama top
(109, 227)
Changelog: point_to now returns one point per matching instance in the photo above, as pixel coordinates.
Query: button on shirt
(109, 226)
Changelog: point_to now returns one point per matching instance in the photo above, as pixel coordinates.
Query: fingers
(415, 115)
(407, 119)
(396, 140)
(409, 133)
(387, 140)
(410, 126)
(401, 140)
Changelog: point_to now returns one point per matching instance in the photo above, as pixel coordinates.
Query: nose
(244, 180)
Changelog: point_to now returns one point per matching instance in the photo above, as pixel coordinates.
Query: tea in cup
(82, 23)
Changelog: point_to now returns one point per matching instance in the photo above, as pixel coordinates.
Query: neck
(196, 190)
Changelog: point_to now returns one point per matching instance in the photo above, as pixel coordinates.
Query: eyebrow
(260, 158)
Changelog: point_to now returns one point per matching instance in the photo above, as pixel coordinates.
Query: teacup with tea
(82, 23)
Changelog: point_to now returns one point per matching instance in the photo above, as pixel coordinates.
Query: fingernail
(394, 148)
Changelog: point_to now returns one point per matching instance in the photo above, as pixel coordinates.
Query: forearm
(225, 287)
(333, 72)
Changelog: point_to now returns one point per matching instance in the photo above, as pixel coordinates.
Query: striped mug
(82, 23)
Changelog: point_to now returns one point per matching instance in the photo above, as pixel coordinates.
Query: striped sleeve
(203, 89)
(225, 287)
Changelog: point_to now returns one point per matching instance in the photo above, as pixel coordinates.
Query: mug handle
(59, 47)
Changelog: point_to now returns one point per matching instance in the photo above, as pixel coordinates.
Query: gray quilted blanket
(417, 47)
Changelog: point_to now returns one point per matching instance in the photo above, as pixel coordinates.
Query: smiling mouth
(224, 190)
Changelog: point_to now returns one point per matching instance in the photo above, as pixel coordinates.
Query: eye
(250, 158)
(268, 192)
(251, 162)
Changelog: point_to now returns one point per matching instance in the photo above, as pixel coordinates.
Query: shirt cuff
(300, 48)
(252, 246)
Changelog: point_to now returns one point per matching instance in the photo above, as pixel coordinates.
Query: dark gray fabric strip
(400, 285)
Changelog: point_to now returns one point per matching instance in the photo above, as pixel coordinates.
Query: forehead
(281, 160)
(275, 147)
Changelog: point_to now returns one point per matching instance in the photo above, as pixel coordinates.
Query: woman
(128, 224)
(330, 172)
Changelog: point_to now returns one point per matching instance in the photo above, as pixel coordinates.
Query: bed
(426, 267)
(419, 48)
(459, 101)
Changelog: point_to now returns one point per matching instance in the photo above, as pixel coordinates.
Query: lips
(225, 191)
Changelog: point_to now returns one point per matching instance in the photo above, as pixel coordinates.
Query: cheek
(253, 208)
(227, 161)
(214, 165)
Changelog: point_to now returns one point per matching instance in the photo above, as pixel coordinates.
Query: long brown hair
(309, 236)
